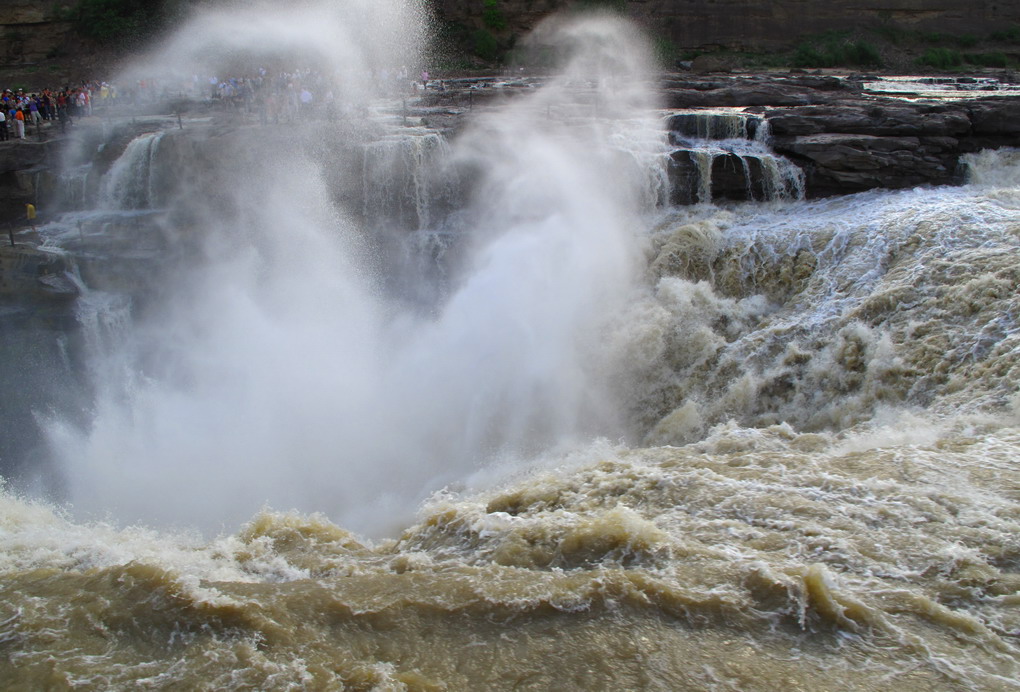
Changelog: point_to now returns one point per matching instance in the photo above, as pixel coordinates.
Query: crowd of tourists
(20, 111)
(283, 96)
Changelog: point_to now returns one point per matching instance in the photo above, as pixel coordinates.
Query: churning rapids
(577, 439)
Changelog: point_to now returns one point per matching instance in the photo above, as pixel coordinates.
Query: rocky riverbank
(843, 132)
(848, 138)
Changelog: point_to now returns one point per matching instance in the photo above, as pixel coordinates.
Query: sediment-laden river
(549, 434)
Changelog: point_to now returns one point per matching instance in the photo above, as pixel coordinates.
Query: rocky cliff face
(845, 140)
(756, 24)
(29, 32)
(760, 24)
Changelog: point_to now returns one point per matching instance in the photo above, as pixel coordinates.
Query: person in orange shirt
(19, 124)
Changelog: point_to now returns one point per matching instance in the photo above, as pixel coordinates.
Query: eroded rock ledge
(843, 137)
(847, 140)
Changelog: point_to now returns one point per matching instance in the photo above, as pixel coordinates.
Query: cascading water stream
(731, 158)
(815, 315)
(129, 182)
(404, 179)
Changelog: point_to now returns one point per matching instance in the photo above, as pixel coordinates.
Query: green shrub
(891, 33)
(833, 36)
(966, 40)
(807, 55)
(941, 58)
(486, 46)
(666, 52)
(933, 37)
(836, 54)
(986, 59)
(1010, 35)
(961, 40)
(861, 53)
(492, 17)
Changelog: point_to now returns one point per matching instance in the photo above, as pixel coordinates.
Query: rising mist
(276, 364)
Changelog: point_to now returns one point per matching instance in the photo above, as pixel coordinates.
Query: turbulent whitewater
(371, 408)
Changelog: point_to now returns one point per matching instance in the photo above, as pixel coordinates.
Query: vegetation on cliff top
(490, 38)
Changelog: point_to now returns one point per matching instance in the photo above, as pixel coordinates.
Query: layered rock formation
(841, 137)
(752, 24)
(30, 32)
(759, 25)
(23, 163)
(848, 141)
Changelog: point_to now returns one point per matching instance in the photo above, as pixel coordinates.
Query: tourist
(19, 123)
(62, 114)
(4, 136)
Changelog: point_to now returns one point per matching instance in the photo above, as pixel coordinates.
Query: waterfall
(703, 161)
(72, 187)
(105, 320)
(730, 157)
(713, 125)
(129, 182)
(783, 180)
(404, 179)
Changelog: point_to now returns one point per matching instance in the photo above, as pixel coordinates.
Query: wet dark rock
(822, 83)
(745, 91)
(18, 155)
(22, 163)
(857, 145)
(842, 163)
(995, 117)
(732, 176)
(684, 178)
(711, 63)
(737, 177)
(695, 125)
(875, 118)
(28, 272)
(744, 95)
(843, 139)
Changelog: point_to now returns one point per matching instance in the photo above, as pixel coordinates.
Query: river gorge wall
(31, 33)
(753, 24)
